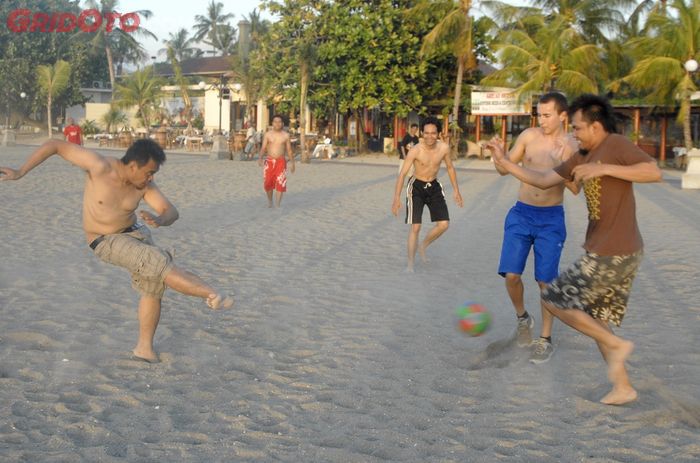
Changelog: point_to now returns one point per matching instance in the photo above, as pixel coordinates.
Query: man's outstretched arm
(87, 160)
(543, 180)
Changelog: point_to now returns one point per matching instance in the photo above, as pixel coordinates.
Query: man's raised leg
(614, 349)
(190, 284)
(149, 316)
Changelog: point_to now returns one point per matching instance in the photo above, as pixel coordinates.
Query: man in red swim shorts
(276, 144)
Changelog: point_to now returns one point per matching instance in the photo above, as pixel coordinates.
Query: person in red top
(72, 132)
(594, 291)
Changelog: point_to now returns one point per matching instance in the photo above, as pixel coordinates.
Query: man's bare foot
(619, 396)
(409, 269)
(219, 301)
(142, 356)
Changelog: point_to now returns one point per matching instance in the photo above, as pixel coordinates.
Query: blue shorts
(528, 226)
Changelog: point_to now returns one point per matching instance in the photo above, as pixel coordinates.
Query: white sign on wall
(498, 101)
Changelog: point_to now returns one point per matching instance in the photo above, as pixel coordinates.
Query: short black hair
(431, 120)
(559, 101)
(594, 108)
(414, 125)
(143, 151)
(280, 116)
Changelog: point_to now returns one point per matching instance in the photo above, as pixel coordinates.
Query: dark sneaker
(542, 351)
(525, 331)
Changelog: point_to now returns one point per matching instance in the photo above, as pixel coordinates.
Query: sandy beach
(332, 353)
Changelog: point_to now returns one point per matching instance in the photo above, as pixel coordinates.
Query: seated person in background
(325, 145)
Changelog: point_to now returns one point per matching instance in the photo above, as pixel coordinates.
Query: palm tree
(114, 117)
(140, 89)
(181, 45)
(182, 82)
(592, 18)
(117, 38)
(225, 40)
(212, 26)
(52, 80)
(455, 29)
(550, 54)
(670, 41)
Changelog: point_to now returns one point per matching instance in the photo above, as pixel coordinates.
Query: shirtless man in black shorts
(423, 188)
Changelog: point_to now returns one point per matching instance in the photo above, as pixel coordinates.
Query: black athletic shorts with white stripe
(420, 194)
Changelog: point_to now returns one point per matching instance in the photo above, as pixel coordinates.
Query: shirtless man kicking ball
(113, 190)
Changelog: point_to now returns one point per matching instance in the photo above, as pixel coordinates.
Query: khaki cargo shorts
(136, 252)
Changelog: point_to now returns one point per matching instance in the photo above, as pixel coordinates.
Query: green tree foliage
(546, 53)
(118, 45)
(182, 46)
(140, 89)
(52, 81)
(671, 38)
(247, 68)
(290, 52)
(214, 29)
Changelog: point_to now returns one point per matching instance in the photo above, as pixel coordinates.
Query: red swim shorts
(275, 174)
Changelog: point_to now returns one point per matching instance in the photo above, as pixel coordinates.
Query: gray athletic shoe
(525, 331)
(542, 351)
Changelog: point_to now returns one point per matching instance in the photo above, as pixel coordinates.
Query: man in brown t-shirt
(598, 283)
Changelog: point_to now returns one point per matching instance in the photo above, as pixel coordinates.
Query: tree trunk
(302, 111)
(458, 97)
(465, 58)
(687, 135)
(361, 134)
(110, 65)
(48, 111)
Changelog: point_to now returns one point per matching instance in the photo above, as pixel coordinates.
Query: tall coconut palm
(181, 44)
(140, 89)
(670, 41)
(108, 41)
(592, 18)
(52, 80)
(454, 29)
(212, 27)
(552, 56)
(181, 82)
(225, 39)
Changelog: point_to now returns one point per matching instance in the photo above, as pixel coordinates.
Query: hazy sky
(172, 15)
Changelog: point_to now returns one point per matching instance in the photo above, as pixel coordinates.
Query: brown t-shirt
(612, 219)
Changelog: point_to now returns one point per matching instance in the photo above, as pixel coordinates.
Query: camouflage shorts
(598, 285)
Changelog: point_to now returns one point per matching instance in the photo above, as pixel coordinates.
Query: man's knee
(443, 225)
(415, 228)
(513, 279)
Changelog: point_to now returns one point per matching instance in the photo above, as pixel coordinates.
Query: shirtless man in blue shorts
(537, 219)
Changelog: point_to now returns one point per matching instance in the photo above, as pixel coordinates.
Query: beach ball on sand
(472, 318)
